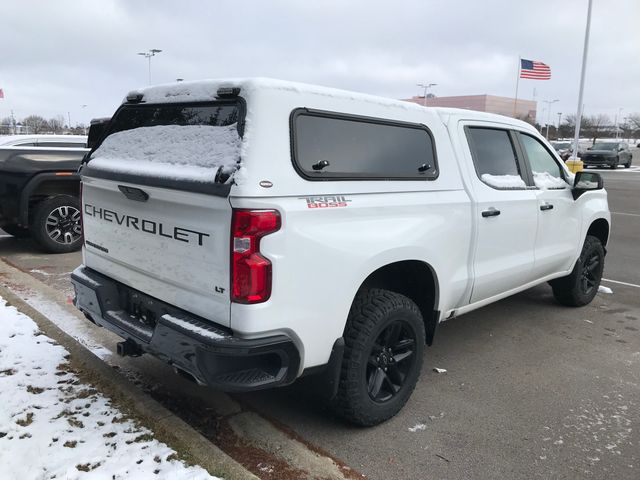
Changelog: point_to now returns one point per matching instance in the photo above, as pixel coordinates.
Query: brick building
(482, 103)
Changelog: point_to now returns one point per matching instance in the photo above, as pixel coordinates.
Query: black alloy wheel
(581, 285)
(384, 348)
(589, 278)
(390, 361)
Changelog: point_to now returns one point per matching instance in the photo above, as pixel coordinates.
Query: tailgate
(173, 246)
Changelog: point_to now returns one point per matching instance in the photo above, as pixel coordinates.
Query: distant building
(525, 109)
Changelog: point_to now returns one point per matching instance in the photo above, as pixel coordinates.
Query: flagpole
(515, 101)
(585, 50)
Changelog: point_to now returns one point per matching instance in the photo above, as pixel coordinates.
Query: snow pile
(165, 150)
(53, 426)
(545, 181)
(603, 289)
(503, 181)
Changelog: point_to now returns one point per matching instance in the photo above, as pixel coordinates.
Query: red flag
(1, 93)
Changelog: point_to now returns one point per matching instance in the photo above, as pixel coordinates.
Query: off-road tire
(373, 313)
(570, 290)
(16, 231)
(38, 226)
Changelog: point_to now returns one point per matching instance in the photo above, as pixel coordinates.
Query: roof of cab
(207, 90)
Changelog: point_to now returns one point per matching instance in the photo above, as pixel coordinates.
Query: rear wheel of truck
(57, 224)
(384, 346)
(16, 231)
(581, 285)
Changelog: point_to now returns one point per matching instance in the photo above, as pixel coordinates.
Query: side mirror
(96, 131)
(586, 181)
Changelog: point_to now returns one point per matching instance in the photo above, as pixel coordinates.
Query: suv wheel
(581, 285)
(614, 164)
(384, 346)
(16, 231)
(57, 224)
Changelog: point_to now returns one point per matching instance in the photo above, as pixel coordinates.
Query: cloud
(60, 55)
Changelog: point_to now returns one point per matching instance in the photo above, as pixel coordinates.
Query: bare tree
(35, 123)
(56, 124)
(6, 126)
(599, 124)
(634, 122)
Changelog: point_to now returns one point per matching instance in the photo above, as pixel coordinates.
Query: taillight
(250, 271)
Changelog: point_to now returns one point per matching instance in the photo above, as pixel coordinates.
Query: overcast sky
(59, 55)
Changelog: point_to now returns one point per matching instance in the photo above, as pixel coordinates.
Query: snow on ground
(54, 426)
(603, 289)
(164, 150)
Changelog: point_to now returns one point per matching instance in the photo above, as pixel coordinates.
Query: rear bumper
(209, 353)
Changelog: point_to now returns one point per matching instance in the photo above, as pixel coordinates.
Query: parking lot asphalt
(531, 389)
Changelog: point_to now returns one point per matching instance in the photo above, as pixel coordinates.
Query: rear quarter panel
(321, 256)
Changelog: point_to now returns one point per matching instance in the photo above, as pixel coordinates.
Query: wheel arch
(600, 228)
(416, 280)
(46, 185)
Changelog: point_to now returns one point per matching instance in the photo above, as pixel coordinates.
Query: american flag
(534, 70)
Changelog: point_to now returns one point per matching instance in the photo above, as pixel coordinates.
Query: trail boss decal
(147, 226)
(327, 201)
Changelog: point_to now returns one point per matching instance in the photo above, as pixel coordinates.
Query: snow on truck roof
(207, 90)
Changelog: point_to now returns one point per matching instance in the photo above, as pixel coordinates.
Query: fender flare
(34, 183)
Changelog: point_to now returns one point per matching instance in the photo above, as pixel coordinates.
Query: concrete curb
(166, 426)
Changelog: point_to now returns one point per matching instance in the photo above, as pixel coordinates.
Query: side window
(546, 171)
(327, 145)
(495, 158)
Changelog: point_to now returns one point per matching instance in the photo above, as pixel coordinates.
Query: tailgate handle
(133, 193)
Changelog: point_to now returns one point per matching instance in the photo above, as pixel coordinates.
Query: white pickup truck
(250, 232)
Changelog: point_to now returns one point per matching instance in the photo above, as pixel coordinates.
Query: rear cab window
(335, 146)
(495, 158)
(185, 146)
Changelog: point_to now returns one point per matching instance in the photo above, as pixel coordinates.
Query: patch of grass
(86, 392)
(25, 435)
(25, 422)
(172, 457)
(3, 434)
(145, 437)
(109, 435)
(70, 444)
(7, 372)
(75, 423)
(34, 390)
(87, 467)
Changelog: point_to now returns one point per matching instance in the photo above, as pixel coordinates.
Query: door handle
(546, 206)
(492, 212)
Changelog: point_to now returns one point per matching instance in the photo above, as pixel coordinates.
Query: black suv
(608, 154)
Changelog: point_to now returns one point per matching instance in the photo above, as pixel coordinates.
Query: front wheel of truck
(581, 285)
(57, 224)
(384, 346)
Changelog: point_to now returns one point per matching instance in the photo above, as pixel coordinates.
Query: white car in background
(60, 141)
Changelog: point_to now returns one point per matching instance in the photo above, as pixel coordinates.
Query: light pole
(426, 87)
(559, 118)
(618, 113)
(151, 53)
(549, 103)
